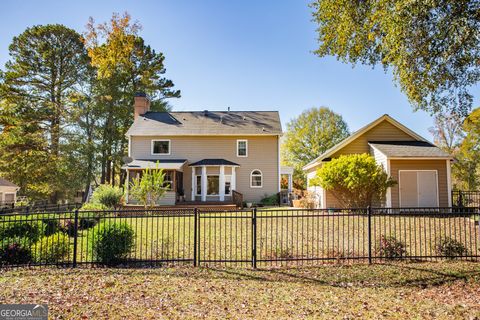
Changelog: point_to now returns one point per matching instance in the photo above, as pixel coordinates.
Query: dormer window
(160, 147)
(242, 148)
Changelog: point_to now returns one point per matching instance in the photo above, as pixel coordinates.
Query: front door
(418, 188)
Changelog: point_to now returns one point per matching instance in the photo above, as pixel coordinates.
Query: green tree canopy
(309, 135)
(432, 47)
(356, 180)
(47, 65)
(125, 65)
(467, 166)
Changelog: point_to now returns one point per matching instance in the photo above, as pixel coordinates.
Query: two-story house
(206, 155)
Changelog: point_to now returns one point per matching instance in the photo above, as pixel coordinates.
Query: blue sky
(246, 55)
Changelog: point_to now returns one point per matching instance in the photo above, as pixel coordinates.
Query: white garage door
(418, 188)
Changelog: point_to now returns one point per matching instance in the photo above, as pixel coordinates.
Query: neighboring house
(421, 169)
(206, 155)
(8, 192)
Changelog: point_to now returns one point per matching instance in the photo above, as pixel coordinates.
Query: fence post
(369, 215)
(75, 238)
(254, 238)
(195, 236)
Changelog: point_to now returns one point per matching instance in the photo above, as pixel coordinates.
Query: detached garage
(421, 169)
(8, 192)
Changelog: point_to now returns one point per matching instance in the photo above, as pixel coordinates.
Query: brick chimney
(141, 104)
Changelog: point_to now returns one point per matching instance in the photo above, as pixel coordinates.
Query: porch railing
(237, 199)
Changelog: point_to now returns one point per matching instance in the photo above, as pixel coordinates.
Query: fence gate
(226, 237)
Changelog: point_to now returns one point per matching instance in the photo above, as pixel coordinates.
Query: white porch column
(233, 183)
(290, 183)
(222, 183)
(128, 185)
(204, 183)
(193, 184)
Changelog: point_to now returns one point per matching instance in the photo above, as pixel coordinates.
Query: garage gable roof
(358, 133)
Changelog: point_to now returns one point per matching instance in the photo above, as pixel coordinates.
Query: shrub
(29, 229)
(108, 196)
(92, 206)
(112, 242)
(308, 201)
(68, 227)
(270, 200)
(149, 189)
(87, 223)
(356, 180)
(53, 248)
(449, 247)
(391, 248)
(52, 225)
(15, 251)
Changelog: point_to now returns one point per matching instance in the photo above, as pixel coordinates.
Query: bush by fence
(250, 237)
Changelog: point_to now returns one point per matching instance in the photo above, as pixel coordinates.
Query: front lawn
(447, 290)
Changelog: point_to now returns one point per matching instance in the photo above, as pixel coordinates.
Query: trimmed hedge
(52, 249)
(112, 242)
(31, 230)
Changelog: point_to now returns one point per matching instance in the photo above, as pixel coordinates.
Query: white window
(242, 148)
(161, 147)
(256, 179)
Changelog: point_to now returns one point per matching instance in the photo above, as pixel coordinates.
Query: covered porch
(213, 180)
(173, 180)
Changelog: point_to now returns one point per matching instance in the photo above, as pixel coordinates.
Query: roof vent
(221, 119)
(228, 109)
(205, 113)
(244, 118)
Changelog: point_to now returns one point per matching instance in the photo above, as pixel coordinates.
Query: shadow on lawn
(378, 275)
(384, 275)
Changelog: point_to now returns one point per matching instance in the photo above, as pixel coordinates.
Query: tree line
(66, 103)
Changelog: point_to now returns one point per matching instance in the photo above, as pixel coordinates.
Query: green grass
(447, 290)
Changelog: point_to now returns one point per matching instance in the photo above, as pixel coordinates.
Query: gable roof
(6, 183)
(207, 123)
(358, 133)
(409, 149)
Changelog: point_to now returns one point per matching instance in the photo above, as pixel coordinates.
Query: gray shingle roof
(6, 183)
(207, 123)
(214, 162)
(408, 149)
(168, 164)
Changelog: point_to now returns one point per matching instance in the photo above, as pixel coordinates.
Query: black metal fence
(253, 237)
(465, 199)
(37, 207)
